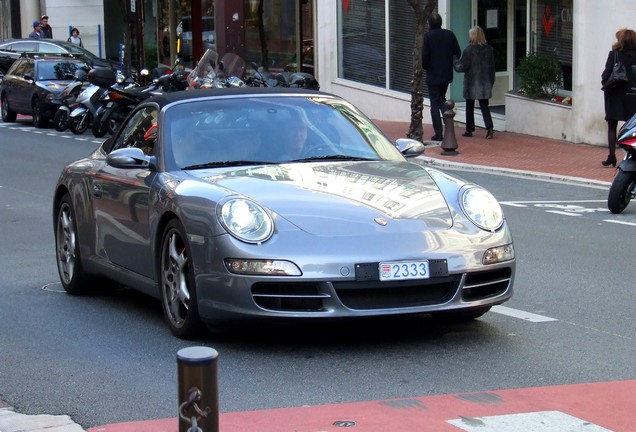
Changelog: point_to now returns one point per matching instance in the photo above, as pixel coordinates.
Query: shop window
(363, 46)
(552, 33)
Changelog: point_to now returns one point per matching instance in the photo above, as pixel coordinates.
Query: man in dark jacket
(438, 51)
(45, 28)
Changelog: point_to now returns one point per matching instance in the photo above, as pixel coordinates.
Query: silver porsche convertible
(251, 204)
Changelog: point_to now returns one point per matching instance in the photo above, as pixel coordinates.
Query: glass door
(494, 18)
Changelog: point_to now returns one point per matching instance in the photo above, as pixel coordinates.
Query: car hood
(54, 86)
(341, 198)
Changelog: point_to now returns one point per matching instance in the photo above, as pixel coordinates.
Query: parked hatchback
(11, 50)
(32, 82)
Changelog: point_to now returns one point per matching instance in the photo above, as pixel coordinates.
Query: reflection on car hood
(54, 86)
(342, 198)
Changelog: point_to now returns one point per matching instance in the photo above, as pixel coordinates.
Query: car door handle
(97, 190)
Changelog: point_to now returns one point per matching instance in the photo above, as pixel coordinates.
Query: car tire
(621, 190)
(177, 283)
(461, 315)
(79, 124)
(67, 249)
(8, 115)
(98, 128)
(39, 121)
(60, 120)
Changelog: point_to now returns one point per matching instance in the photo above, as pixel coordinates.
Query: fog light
(499, 254)
(262, 267)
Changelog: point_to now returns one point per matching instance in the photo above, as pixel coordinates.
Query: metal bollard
(449, 141)
(198, 389)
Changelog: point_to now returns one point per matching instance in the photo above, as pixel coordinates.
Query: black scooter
(66, 99)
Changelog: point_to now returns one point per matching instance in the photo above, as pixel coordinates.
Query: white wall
(86, 15)
(594, 33)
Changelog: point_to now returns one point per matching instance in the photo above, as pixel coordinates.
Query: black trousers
(470, 114)
(437, 96)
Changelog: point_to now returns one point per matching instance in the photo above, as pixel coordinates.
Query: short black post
(198, 389)
(449, 142)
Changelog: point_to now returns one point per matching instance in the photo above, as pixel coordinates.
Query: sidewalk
(522, 154)
(525, 154)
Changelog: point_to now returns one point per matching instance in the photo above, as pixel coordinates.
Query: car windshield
(58, 70)
(255, 130)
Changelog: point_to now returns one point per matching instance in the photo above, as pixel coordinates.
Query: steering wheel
(318, 150)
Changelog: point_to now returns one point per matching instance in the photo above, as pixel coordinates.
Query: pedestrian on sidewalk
(75, 38)
(45, 28)
(35, 34)
(439, 51)
(620, 102)
(478, 64)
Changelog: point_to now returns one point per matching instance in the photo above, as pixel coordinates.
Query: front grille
(484, 284)
(289, 297)
(384, 295)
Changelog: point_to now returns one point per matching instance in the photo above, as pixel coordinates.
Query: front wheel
(67, 249)
(621, 191)
(80, 123)
(39, 121)
(60, 120)
(99, 128)
(8, 115)
(178, 288)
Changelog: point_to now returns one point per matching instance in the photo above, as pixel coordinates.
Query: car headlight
(246, 220)
(481, 207)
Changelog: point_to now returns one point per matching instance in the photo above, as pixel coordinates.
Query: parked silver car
(280, 204)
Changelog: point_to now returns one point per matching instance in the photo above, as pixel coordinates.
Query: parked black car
(11, 50)
(32, 82)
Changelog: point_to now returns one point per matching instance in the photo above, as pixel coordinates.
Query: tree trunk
(417, 92)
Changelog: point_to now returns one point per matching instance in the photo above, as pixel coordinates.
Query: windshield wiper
(226, 164)
(333, 158)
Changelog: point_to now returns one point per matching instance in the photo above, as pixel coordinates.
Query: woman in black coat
(478, 63)
(620, 102)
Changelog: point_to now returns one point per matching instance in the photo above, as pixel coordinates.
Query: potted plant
(535, 108)
(540, 76)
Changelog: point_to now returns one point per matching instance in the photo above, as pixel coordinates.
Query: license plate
(403, 270)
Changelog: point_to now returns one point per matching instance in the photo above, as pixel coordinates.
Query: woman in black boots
(620, 101)
(478, 63)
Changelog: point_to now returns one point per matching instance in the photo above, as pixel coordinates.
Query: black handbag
(618, 77)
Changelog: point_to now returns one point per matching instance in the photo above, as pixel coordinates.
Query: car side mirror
(409, 147)
(28, 77)
(130, 157)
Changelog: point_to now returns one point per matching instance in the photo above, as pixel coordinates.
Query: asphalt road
(109, 357)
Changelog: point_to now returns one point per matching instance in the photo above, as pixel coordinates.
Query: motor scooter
(66, 99)
(87, 102)
(623, 187)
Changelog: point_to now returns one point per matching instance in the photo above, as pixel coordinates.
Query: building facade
(362, 49)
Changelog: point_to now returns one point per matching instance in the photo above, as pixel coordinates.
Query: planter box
(538, 117)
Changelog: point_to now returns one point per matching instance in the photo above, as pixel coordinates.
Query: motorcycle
(121, 99)
(623, 187)
(212, 73)
(85, 107)
(286, 78)
(66, 99)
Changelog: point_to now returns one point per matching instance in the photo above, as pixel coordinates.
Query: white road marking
(563, 213)
(620, 222)
(542, 421)
(523, 315)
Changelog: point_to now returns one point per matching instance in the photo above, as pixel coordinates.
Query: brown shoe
(490, 133)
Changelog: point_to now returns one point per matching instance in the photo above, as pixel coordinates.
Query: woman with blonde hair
(620, 102)
(478, 64)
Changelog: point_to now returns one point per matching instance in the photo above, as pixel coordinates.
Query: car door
(121, 199)
(19, 93)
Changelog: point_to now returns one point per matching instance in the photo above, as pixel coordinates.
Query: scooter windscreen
(203, 75)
